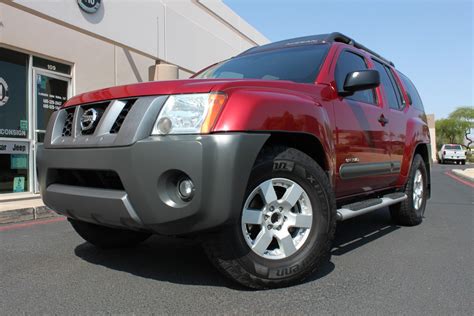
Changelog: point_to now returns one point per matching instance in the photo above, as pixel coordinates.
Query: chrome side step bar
(362, 207)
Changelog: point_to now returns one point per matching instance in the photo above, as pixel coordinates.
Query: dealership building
(52, 50)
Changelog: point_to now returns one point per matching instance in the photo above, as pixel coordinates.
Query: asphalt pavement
(376, 268)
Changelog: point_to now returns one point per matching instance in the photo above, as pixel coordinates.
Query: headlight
(189, 113)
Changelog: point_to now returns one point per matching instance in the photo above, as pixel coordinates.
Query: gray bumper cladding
(135, 186)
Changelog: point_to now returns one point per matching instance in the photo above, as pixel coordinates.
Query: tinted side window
(396, 85)
(347, 63)
(410, 88)
(387, 85)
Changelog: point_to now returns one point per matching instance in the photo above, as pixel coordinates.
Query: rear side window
(347, 63)
(412, 92)
(453, 147)
(388, 88)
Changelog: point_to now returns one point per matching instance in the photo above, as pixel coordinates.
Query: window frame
(368, 67)
(409, 98)
(395, 85)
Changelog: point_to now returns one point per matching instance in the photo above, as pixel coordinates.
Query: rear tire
(463, 162)
(280, 261)
(106, 237)
(410, 212)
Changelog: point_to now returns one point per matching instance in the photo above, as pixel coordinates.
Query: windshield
(298, 64)
(453, 147)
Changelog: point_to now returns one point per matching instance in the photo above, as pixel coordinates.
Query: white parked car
(452, 152)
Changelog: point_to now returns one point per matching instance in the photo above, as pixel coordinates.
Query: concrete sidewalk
(467, 174)
(23, 208)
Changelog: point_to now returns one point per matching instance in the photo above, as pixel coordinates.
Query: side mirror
(360, 80)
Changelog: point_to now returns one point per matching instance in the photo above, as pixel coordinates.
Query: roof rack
(315, 39)
(339, 37)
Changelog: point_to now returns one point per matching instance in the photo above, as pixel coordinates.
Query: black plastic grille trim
(67, 128)
(121, 118)
(102, 179)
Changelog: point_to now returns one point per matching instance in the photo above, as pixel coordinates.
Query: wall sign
(8, 147)
(3, 92)
(13, 94)
(42, 63)
(19, 184)
(19, 162)
(89, 6)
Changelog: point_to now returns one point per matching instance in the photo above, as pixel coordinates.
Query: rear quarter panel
(417, 132)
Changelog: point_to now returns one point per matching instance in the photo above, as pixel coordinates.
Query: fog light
(186, 189)
(164, 125)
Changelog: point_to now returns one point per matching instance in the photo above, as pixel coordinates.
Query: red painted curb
(31, 223)
(449, 174)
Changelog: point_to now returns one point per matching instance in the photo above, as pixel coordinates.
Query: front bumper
(218, 164)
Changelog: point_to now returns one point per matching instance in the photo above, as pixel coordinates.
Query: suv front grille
(119, 121)
(100, 108)
(67, 129)
(102, 179)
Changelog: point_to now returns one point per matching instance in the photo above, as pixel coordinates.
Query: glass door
(50, 91)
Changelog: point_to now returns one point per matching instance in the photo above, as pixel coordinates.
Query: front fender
(255, 110)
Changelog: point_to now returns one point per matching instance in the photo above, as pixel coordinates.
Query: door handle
(383, 120)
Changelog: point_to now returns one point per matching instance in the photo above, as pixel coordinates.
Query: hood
(169, 87)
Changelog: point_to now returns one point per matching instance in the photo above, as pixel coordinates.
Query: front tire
(286, 226)
(410, 212)
(106, 237)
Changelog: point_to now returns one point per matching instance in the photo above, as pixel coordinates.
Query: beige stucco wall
(122, 41)
(161, 29)
(96, 63)
(431, 126)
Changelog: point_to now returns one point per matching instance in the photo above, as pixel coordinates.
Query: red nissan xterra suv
(259, 156)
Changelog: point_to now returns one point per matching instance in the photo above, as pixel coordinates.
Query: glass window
(349, 62)
(388, 89)
(412, 92)
(51, 93)
(453, 147)
(13, 166)
(401, 100)
(13, 94)
(298, 64)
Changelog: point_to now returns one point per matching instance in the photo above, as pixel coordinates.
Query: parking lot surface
(376, 267)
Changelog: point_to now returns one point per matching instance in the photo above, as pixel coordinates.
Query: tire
(410, 212)
(229, 249)
(106, 237)
(463, 162)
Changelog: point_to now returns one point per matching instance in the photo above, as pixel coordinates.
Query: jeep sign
(3, 92)
(8, 147)
(89, 6)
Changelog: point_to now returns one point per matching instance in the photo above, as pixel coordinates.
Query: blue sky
(430, 41)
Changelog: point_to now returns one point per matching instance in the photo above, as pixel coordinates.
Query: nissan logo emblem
(89, 119)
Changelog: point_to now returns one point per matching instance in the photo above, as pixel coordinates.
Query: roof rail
(313, 39)
(339, 37)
